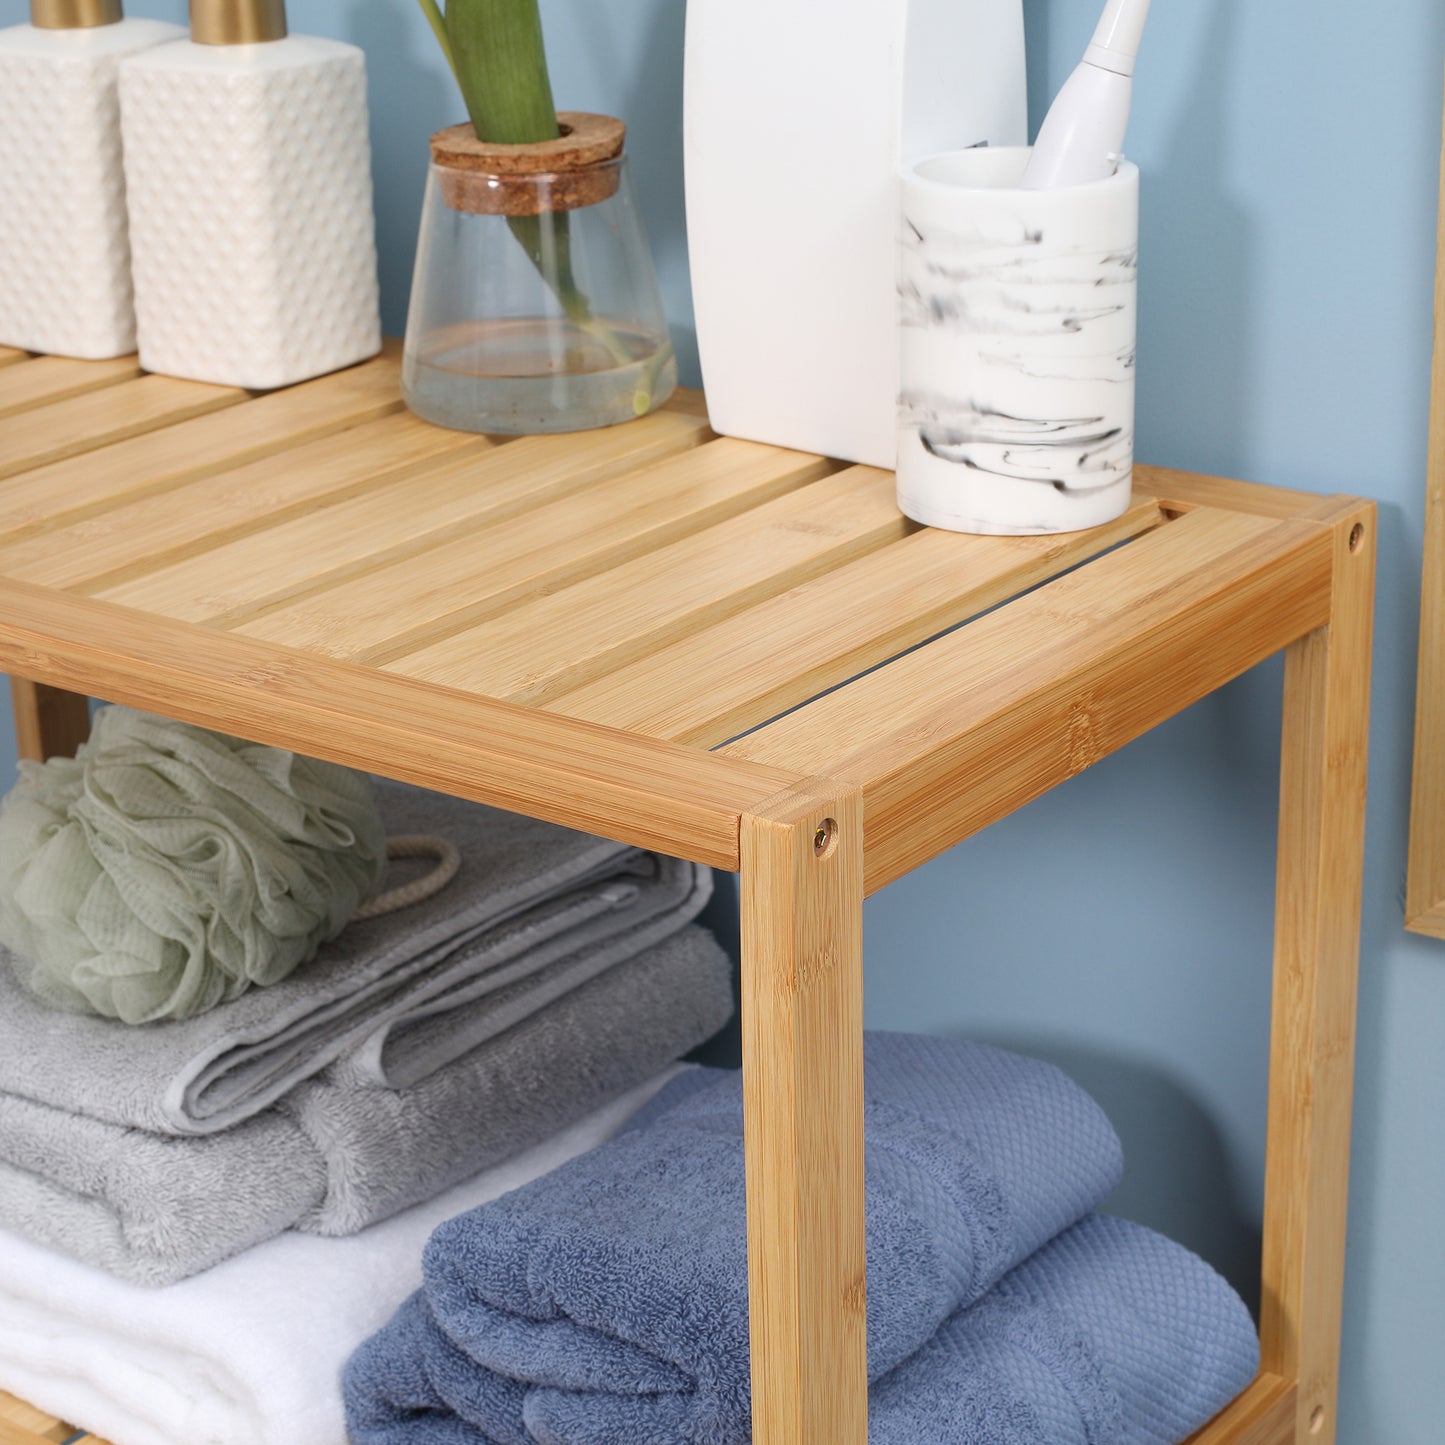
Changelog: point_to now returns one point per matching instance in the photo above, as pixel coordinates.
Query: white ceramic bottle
(793, 150)
(248, 168)
(64, 258)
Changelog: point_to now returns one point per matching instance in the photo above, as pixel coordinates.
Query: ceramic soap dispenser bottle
(793, 151)
(64, 259)
(249, 173)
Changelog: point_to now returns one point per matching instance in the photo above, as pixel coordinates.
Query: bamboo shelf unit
(741, 655)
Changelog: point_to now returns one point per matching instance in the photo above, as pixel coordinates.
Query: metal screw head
(825, 837)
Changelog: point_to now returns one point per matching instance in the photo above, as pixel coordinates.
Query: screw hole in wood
(1317, 1415)
(1357, 535)
(826, 838)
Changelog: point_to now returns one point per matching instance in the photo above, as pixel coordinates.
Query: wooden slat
(1425, 883)
(752, 666)
(1191, 489)
(956, 735)
(9, 356)
(542, 648)
(140, 536)
(52, 496)
(13, 1434)
(652, 794)
(238, 580)
(1317, 939)
(44, 379)
(1262, 1415)
(23, 1424)
(688, 399)
(404, 605)
(98, 418)
(49, 723)
(802, 990)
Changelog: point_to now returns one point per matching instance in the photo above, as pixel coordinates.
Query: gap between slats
(394, 609)
(749, 668)
(454, 497)
(557, 642)
(47, 498)
(137, 537)
(46, 379)
(96, 419)
(976, 669)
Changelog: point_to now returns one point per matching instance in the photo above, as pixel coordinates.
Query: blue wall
(1122, 924)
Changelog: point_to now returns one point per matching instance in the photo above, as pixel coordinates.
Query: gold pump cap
(74, 14)
(237, 22)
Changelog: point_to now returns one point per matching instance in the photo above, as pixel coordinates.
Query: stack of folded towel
(416, 1049)
(248, 1353)
(607, 1301)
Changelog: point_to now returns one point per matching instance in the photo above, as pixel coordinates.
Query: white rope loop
(414, 845)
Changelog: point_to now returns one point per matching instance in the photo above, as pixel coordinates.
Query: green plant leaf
(501, 66)
(437, 21)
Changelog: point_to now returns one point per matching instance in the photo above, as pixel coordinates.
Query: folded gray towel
(151, 1207)
(529, 895)
(339, 1153)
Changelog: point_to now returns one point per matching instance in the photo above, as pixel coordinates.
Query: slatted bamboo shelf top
(644, 630)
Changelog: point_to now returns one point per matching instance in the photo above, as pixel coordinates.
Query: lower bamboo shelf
(22, 1424)
(724, 651)
(1264, 1415)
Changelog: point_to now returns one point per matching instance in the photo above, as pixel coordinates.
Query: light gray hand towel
(528, 895)
(151, 1207)
(339, 1153)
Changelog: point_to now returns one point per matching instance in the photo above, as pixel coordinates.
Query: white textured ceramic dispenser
(64, 258)
(798, 118)
(248, 168)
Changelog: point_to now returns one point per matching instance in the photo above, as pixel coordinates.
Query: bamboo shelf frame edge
(1425, 882)
(578, 774)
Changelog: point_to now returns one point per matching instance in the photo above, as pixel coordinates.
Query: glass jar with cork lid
(534, 304)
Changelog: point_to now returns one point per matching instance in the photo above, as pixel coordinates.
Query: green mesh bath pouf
(167, 869)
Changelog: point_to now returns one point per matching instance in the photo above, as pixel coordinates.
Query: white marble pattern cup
(1017, 316)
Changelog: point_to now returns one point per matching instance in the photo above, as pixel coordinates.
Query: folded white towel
(248, 1353)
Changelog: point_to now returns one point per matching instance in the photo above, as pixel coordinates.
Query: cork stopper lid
(74, 14)
(577, 169)
(237, 22)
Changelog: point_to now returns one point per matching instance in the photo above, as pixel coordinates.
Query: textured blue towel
(623, 1275)
(1111, 1335)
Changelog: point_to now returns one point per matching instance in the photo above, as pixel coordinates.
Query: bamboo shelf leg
(802, 949)
(49, 722)
(1317, 934)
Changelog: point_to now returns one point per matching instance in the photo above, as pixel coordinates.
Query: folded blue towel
(623, 1275)
(409, 1385)
(1110, 1335)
